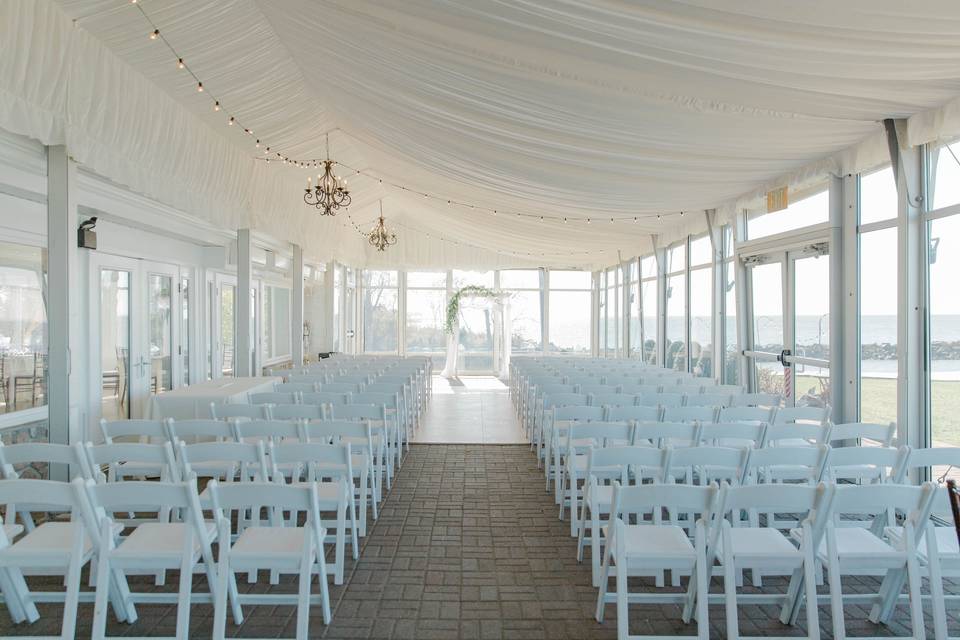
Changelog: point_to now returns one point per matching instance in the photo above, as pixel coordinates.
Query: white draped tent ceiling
(554, 108)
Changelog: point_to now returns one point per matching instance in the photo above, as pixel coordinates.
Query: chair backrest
(804, 464)
(209, 428)
(882, 434)
(875, 500)
(139, 429)
(342, 387)
(756, 400)
(709, 400)
(599, 434)
(297, 387)
(326, 397)
(643, 414)
(326, 431)
(746, 414)
(275, 397)
(295, 412)
(612, 399)
(350, 379)
(597, 388)
(388, 400)
(552, 388)
(319, 460)
(358, 412)
(940, 461)
(709, 463)
(246, 454)
(41, 494)
(231, 411)
(266, 430)
(639, 389)
(677, 498)
(805, 501)
(690, 414)
(727, 389)
(797, 434)
(111, 455)
(565, 399)
(849, 462)
(140, 495)
(686, 389)
(385, 387)
(801, 415)
(662, 399)
(229, 497)
(647, 463)
(733, 434)
(661, 434)
(312, 378)
(577, 413)
(29, 453)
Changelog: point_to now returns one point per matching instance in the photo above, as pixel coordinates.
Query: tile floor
(478, 412)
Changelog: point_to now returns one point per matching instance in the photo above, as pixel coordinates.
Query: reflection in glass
(159, 311)
(115, 344)
(380, 309)
(23, 327)
(812, 329)
(648, 291)
(426, 315)
(701, 322)
(766, 287)
(185, 341)
(227, 328)
(525, 321)
(675, 341)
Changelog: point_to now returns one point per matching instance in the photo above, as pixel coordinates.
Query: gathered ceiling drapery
(551, 108)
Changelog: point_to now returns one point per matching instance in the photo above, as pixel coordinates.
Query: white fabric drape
(549, 107)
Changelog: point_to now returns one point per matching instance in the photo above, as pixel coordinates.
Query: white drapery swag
(502, 347)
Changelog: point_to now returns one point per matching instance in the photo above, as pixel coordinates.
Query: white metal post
(845, 381)
(718, 295)
(243, 345)
(296, 308)
(908, 168)
(62, 301)
(743, 293)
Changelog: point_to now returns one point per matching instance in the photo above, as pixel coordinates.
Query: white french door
(136, 342)
(789, 326)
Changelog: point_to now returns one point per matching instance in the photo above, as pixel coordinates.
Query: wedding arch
(501, 320)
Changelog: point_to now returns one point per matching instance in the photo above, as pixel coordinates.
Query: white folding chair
(733, 434)
(152, 546)
(856, 432)
(27, 454)
(740, 545)
(689, 414)
(376, 448)
(604, 465)
(146, 431)
(769, 400)
(612, 399)
(640, 549)
(638, 413)
(295, 412)
(704, 465)
(662, 434)
(554, 431)
(662, 399)
(708, 399)
(60, 548)
(316, 463)
(278, 548)
(859, 551)
(754, 415)
(297, 387)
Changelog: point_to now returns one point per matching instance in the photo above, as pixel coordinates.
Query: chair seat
(160, 540)
(853, 543)
(268, 547)
(761, 544)
(947, 544)
(599, 498)
(50, 538)
(666, 543)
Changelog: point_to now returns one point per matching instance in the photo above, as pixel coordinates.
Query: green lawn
(879, 404)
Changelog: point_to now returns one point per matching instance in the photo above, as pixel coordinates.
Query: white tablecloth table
(191, 402)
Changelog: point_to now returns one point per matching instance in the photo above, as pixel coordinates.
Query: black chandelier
(379, 237)
(330, 193)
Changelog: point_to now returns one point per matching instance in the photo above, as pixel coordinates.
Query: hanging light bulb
(231, 121)
(200, 87)
(155, 34)
(216, 105)
(180, 64)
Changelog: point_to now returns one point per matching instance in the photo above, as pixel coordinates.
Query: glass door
(135, 306)
(226, 325)
(790, 325)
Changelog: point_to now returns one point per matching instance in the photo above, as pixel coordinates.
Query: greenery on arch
(470, 291)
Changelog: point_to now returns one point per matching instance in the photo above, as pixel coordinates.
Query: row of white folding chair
(638, 549)
(368, 452)
(184, 544)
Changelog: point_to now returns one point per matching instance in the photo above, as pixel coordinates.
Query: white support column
(848, 308)
(296, 308)
(907, 164)
(595, 319)
(544, 309)
(661, 258)
(839, 315)
(743, 293)
(64, 386)
(718, 297)
(244, 340)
